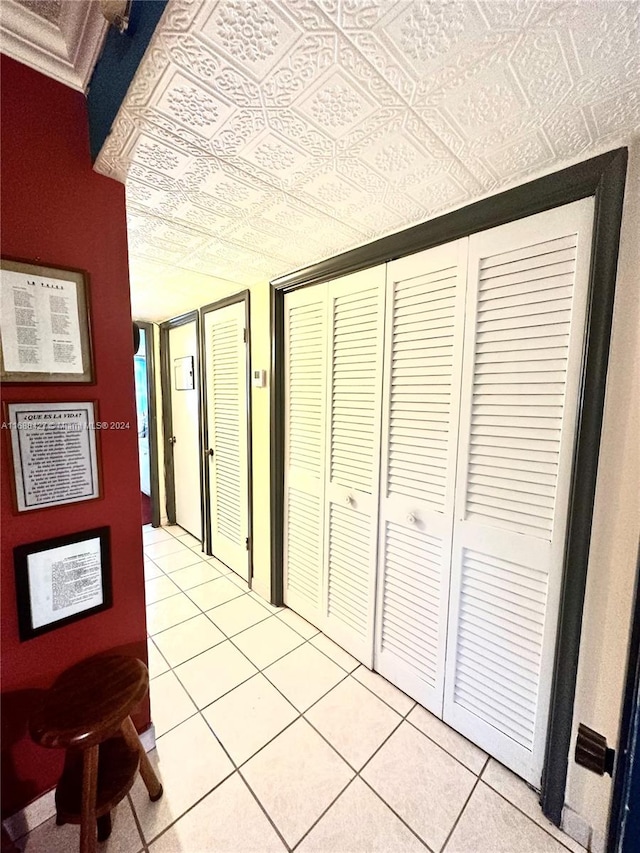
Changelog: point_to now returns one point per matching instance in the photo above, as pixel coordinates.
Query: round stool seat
(89, 701)
(87, 713)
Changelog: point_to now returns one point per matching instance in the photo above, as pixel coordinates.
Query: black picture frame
(26, 559)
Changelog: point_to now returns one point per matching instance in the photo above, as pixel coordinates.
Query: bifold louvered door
(526, 304)
(305, 436)
(422, 371)
(355, 321)
(226, 419)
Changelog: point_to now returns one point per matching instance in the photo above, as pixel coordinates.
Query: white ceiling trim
(66, 50)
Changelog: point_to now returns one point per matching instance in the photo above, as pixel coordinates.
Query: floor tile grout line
(166, 597)
(466, 803)
(366, 687)
(201, 613)
(395, 813)
(301, 715)
(286, 654)
(137, 822)
(533, 820)
(450, 754)
(236, 767)
(190, 808)
(324, 812)
(357, 774)
(263, 809)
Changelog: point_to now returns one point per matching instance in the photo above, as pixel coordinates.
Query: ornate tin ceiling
(61, 39)
(262, 135)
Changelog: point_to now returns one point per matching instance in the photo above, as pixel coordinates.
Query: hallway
(311, 751)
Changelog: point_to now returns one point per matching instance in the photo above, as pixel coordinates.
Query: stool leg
(146, 770)
(104, 826)
(89, 791)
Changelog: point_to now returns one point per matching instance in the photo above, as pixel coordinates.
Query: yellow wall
(616, 527)
(260, 359)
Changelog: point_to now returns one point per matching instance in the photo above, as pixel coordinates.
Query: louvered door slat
(423, 362)
(355, 339)
(527, 285)
(226, 384)
(305, 369)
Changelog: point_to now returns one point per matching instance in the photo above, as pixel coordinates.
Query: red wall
(56, 210)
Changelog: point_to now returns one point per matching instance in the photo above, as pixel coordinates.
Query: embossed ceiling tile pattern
(334, 104)
(277, 161)
(300, 68)
(251, 33)
(425, 35)
(263, 135)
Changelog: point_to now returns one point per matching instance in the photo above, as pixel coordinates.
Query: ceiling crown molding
(66, 51)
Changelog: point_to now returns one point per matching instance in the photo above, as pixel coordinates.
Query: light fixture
(116, 12)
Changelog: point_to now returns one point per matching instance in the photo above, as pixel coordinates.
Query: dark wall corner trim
(624, 817)
(603, 177)
(149, 331)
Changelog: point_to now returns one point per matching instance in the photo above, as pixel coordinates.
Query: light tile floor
(272, 738)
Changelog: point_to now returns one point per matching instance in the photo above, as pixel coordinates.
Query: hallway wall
(56, 210)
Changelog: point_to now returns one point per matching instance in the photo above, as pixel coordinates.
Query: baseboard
(44, 807)
(576, 827)
(148, 738)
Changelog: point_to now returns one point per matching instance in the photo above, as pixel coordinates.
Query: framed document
(184, 373)
(54, 453)
(44, 330)
(61, 580)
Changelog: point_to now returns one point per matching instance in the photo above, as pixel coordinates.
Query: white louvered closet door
(305, 427)
(356, 333)
(422, 373)
(226, 381)
(526, 305)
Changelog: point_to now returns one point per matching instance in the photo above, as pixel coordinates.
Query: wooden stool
(87, 713)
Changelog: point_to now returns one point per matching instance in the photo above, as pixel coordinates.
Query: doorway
(227, 431)
(145, 388)
(182, 427)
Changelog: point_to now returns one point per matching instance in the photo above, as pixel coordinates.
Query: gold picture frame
(45, 325)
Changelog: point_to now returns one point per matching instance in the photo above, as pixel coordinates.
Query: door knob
(172, 440)
(209, 452)
(349, 500)
(411, 518)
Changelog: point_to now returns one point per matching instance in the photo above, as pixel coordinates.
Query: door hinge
(246, 542)
(244, 335)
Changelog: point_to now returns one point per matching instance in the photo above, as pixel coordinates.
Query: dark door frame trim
(167, 419)
(242, 296)
(620, 837)
(149, 342)
(604, 178)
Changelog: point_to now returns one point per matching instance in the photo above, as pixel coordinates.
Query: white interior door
(526, 305)
(305, 419)
(226, 419)
(421, 397)
(185, 418)
(355, 322)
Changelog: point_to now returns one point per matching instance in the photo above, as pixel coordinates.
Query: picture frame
(184, 373)
(62, 580)
(54, 452)
(45, 330)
